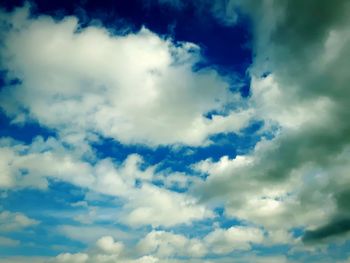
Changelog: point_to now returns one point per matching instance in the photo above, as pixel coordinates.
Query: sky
(174, 131)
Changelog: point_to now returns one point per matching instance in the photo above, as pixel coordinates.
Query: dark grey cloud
(305, 45)
(308, 50)
(337, 227)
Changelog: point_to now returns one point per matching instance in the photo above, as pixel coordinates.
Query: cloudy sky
(175, 131)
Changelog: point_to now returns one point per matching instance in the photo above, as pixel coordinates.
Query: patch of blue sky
(43, 241)
(225, 109)
(201, 228)
(298, 232)
(179, 158)
(6, 80)
(340, 251)
(59, 205)
(40, 240)
(263, 250)
(226, 222)
(175, 187)
(197, 229)
(25, 132)
(33, 202)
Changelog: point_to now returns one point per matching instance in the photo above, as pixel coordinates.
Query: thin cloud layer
(15, 221)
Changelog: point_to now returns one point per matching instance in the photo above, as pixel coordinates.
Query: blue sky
(174, 131)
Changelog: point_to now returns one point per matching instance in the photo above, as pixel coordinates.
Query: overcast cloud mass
(175, 131)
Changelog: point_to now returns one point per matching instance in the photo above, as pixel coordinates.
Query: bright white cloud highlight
(136, 88)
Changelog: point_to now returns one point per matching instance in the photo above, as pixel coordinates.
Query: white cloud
(166, 244)
(151, 259)
(135, 88)
(32, 165)
(247, 194)
(219, 241)
(15, 221)
(140, 88)
(107, 245)
(89, 234)
(163, 246)
(170, 208)
(223, 241)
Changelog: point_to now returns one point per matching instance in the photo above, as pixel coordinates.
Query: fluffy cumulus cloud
(136, 88)
(162, 246)
(167, 246)
(291, 190)
(234, 238)
(108, 245)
